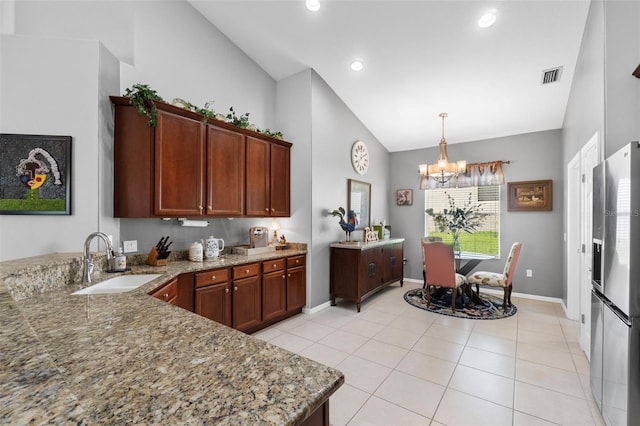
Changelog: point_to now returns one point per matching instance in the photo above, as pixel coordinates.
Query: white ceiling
(421, 57)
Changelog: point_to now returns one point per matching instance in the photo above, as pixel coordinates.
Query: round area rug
(489, 310)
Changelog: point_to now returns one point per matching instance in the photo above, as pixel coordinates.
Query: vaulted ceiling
(420, 57)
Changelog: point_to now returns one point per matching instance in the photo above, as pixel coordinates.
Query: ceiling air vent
(552, 75)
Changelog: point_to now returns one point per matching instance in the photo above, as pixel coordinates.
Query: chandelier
(442, 171)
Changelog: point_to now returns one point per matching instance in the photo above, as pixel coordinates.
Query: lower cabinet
(360, 271)
(296, 284)
(246, 300)
(167, 292)
(213, 295)
(248, 297)
(274, 289)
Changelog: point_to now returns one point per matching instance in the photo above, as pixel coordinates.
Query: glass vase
(457, 248)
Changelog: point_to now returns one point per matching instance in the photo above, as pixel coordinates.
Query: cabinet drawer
(167, 292)
(244, 271)
(273, 265)
(294, 261)
(212, 277)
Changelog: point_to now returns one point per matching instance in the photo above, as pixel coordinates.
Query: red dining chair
(439, 270)
(495, 279)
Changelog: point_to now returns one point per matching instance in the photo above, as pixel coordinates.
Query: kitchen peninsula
(130, 358)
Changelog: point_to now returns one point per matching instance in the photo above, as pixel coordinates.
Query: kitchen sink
(120, 284)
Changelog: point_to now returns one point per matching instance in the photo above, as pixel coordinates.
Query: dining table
(467, 261)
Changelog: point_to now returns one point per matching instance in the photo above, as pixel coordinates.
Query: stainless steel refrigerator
(615, 298)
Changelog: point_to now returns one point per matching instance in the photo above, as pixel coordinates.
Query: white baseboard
(316, 309)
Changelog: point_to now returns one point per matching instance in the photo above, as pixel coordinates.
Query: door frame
(580, 189)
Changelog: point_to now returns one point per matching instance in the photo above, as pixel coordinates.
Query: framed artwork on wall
(530, 196)
(35, 174)
(404, 197)
(359, 202)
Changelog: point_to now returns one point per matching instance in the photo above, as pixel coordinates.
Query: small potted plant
(141, 96)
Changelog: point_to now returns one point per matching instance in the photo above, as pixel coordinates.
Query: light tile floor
(406, 366)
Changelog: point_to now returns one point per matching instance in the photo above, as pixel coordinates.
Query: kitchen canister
(195, 252)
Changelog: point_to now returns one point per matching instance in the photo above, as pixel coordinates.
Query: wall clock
(360, 157)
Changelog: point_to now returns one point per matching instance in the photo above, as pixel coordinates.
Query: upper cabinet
(268, 180)
(179, 166)
(225, 172)
(185, 167)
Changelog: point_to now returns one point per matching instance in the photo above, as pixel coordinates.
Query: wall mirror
(360, 202)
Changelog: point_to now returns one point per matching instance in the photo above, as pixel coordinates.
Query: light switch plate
(529, 273)
(130, 246)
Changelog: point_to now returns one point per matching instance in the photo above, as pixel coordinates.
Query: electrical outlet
(529, 273)
(130, 246)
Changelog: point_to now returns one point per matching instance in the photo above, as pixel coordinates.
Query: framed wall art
(404, 197)
(35, 174)
(359, 202)
(529, 196)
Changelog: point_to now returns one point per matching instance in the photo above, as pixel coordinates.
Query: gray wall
(622, 90)
(584, 116)
(55, 87)
(334, 130)
(533, 156)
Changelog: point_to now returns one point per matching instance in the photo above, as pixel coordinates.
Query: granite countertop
(129, 358)
(360, 245)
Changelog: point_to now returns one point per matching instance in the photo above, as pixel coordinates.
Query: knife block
(152, 259)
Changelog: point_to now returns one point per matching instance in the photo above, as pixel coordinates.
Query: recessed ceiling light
(313, 5)
(357, 65)
(487, 20)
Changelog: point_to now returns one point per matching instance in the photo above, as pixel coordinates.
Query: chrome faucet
(88, 258)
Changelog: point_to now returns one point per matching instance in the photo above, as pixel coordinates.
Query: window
(487, 238)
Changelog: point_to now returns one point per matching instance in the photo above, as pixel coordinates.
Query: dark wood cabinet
(274, 289)
(186, 166)
(179, 165)
(246, 311)
(358, 271)
(279, 194)
(167, 292)
(225, 172)
(296, 283)
(268, 180)
(213, 295)
(247, 297)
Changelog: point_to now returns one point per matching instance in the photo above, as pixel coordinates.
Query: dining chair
(439, 270)
(495, 279)
(423, 241)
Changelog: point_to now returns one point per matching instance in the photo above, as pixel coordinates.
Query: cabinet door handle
(213, 277)
(283, 277)
(210, 208)
(266, 209)
(289, 275)
(235, 288)
(226, 290)
(246, 271)
(165, 296)
(272, 209)
(275, 266)
(297, 261)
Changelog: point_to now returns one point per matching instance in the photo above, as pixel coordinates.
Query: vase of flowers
(456, 220)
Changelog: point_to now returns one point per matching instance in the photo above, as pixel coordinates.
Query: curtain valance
(476, 174)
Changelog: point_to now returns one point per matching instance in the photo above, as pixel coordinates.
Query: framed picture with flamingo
(35, 174)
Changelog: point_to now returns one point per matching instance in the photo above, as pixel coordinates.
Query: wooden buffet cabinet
(186, 166)
(359, 270)
(247, 297)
